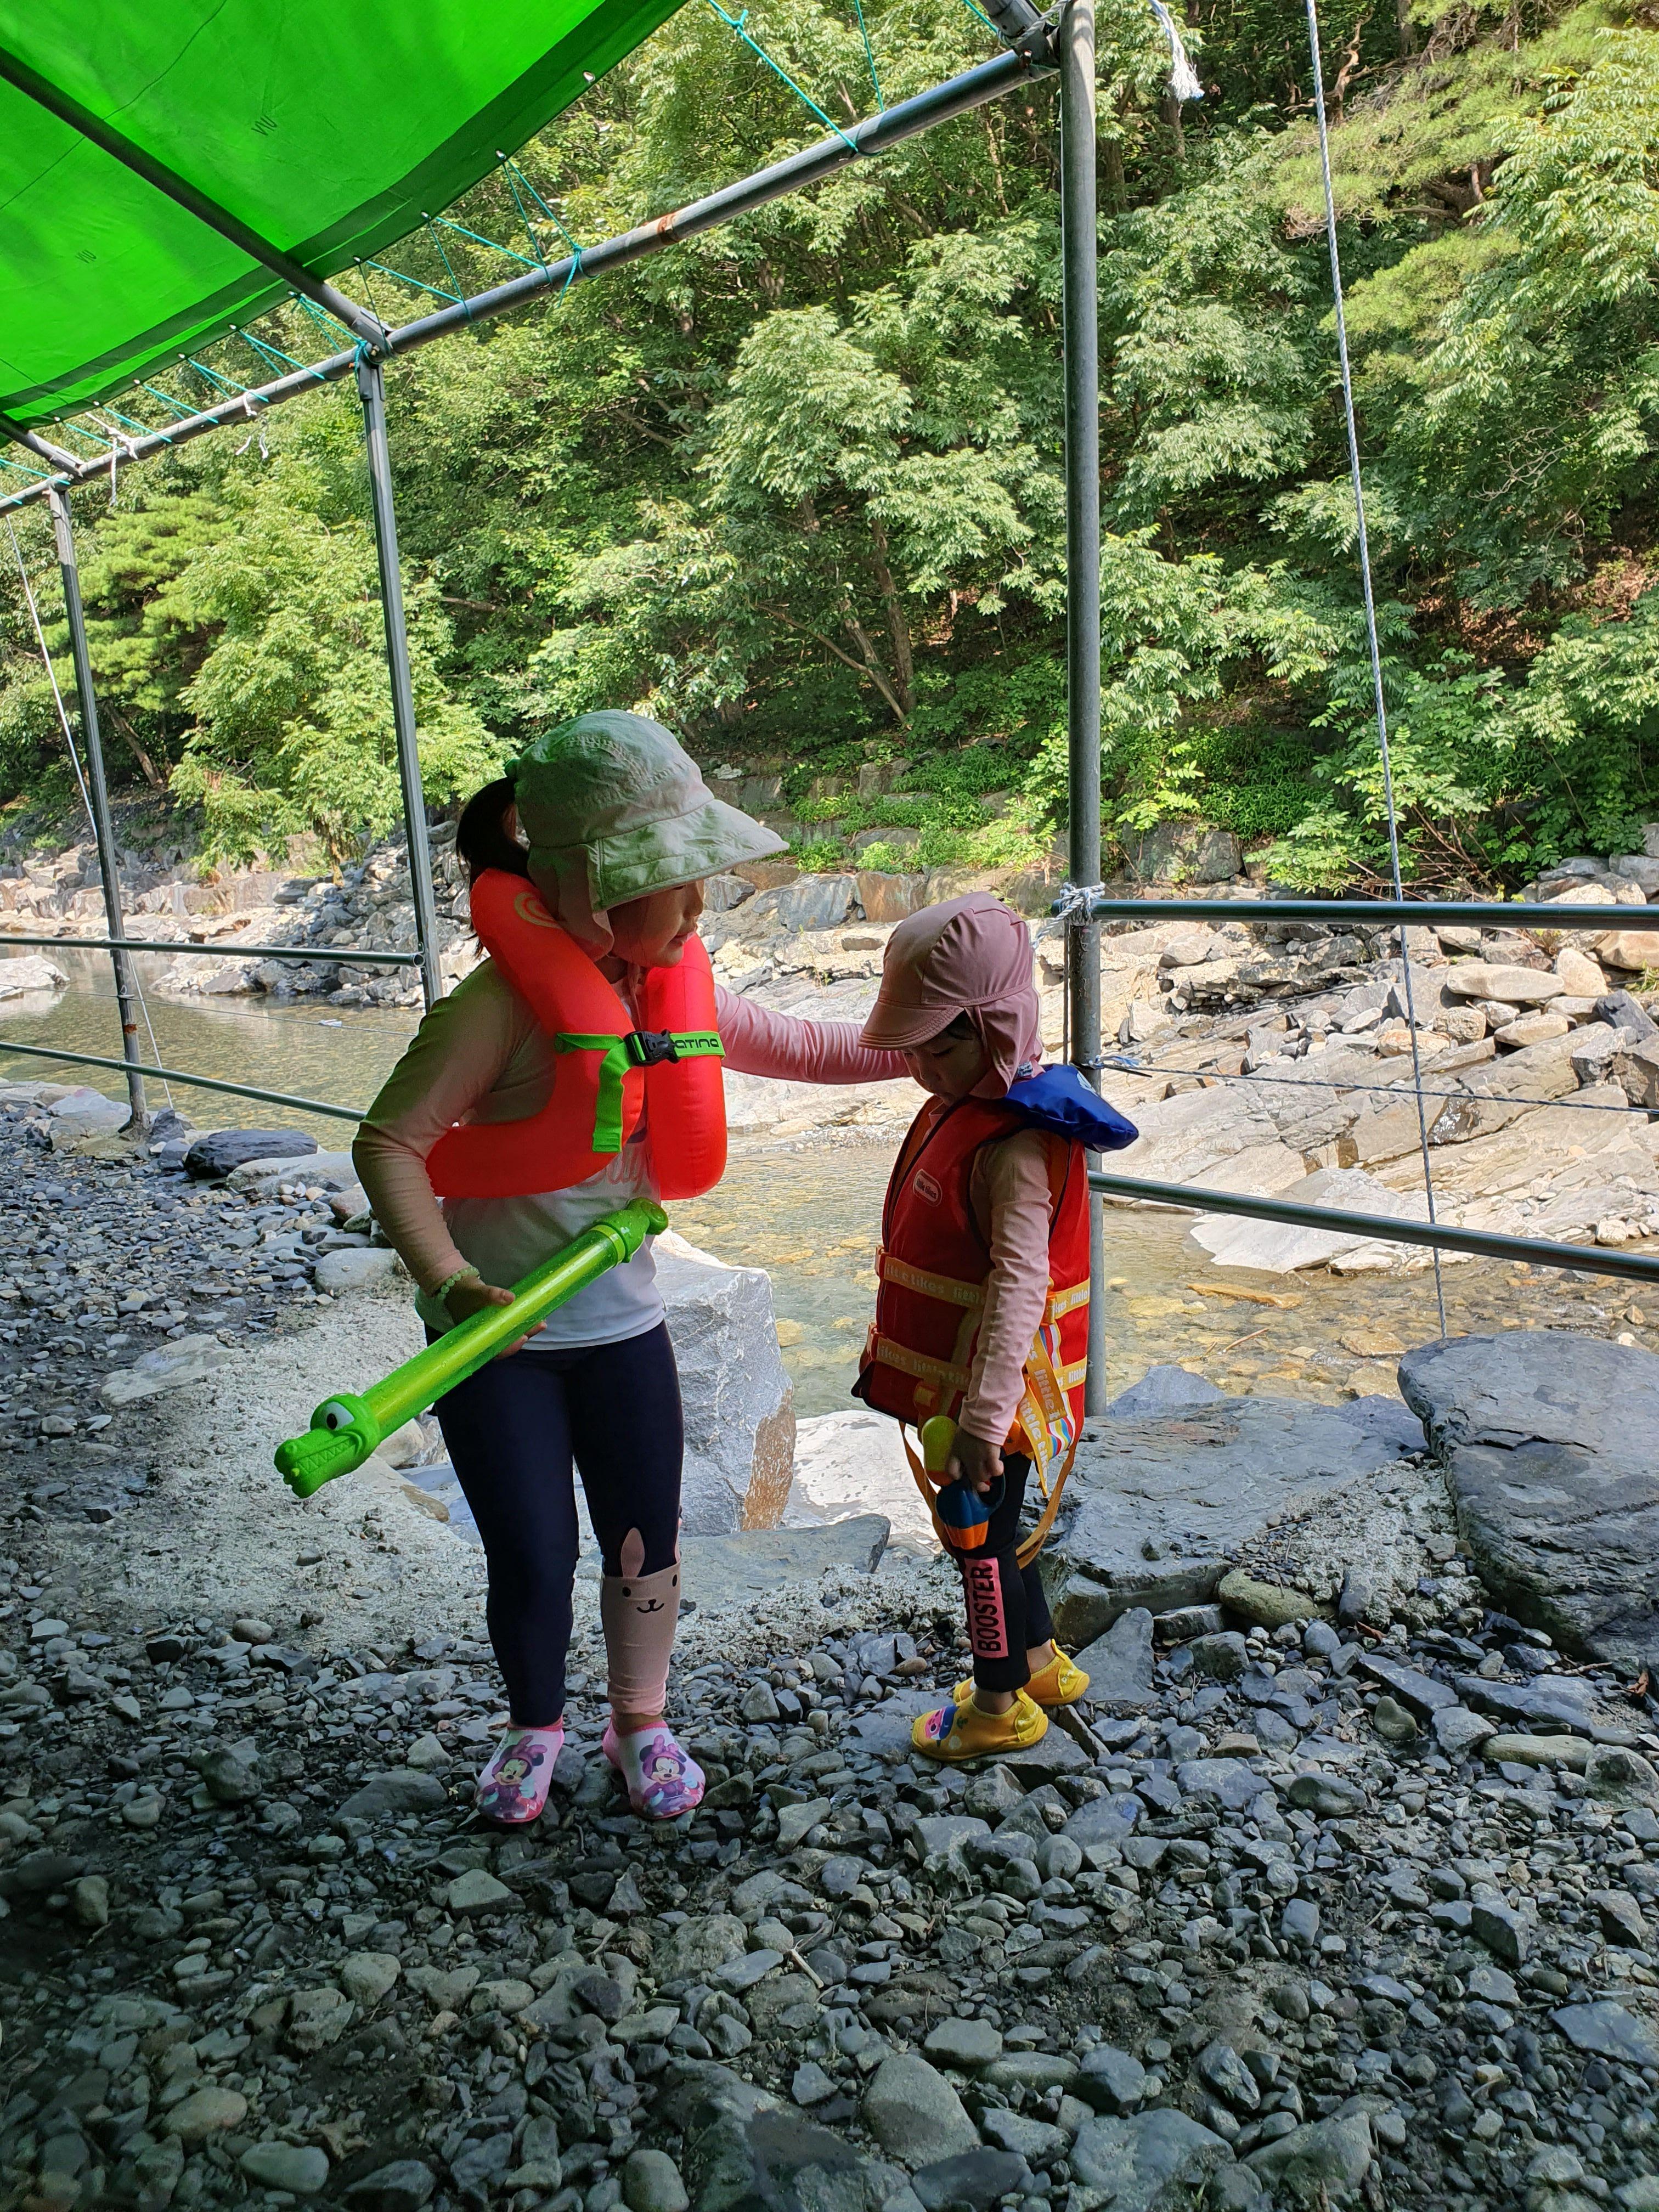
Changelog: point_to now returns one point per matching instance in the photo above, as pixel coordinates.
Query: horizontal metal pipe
(1377, 914)
(333, 956)
(1486, 1244)
(198, 1082)
(957, 97)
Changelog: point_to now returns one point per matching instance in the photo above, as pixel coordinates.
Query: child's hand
(975, 1462)
(473, 1297)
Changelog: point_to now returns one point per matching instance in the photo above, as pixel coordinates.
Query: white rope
(75, 763)
(1183, 78)
(1370, 620)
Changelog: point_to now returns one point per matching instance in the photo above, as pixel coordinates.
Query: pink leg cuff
(639, 1614)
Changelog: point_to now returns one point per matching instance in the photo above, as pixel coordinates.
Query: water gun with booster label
(963, 1516)
(345, 1430)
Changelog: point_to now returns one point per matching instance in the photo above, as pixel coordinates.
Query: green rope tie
(493, 243)
(167, 400)
(515, 176)
(738, 23)
(322, 319)
(274, 355)
(459, 297)
(869, 54)
(145, 429)
(415, 283)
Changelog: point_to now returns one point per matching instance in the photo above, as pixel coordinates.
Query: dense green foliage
(796, 487)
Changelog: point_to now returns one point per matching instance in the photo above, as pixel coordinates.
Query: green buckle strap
(639, 1048)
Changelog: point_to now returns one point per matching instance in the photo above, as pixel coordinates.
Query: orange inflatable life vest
(606, 1072)
(933, 1269)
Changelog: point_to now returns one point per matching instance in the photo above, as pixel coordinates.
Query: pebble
(650, 2183)
(204, 2113)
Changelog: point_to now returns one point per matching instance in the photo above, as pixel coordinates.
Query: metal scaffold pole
(126, 994)
(371, 387)
(1082, 348)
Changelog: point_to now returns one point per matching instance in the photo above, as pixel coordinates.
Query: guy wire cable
(1371, 614)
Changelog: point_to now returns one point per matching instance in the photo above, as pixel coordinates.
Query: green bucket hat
(615, 808)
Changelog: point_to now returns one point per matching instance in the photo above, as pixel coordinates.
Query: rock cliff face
(1551, 1448)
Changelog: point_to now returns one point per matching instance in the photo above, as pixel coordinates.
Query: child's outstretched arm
(761, 1042)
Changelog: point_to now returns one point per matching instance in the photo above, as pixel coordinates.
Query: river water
(808, 1210)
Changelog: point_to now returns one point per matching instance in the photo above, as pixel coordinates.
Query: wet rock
(401, 1790)
(1311, 2161)
(1164, 1389)
(761, 1560)
(205, 2113)
(913, 2111)
(1147, 2164)
(169, 1367)
(296, 2167)
(976, 2179)
(1119, 1664)
(363, 1268)
(1326, 1796)
(650, 2183)
(213, 1157)
(1269, 1605)
(965, 2044)
(1111, 2081)
(1551, 1445)
(1608, 2031)
(403, 2186)
(1618, 1776)
(367, 1975)
(1148, 1520)
(1458, 1731)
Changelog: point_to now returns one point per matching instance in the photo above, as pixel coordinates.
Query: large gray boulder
(739, 1403)
(1551, 1447)
(1159, 1508)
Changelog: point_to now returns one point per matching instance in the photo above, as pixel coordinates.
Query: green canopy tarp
(328, 127)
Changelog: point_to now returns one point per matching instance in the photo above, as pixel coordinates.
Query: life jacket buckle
(651, 1047)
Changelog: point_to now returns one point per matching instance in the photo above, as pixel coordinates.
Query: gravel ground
(1277, 1920)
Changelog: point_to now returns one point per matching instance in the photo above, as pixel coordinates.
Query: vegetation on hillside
(795, 486)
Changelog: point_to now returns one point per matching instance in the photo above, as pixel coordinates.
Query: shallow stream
(808, 1210)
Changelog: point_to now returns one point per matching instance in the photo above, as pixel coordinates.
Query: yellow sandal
(1058, 1683)
(963, 1731)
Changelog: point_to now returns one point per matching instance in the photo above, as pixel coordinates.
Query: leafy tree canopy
(796, 485)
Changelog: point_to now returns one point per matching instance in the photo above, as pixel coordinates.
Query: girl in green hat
(619, 831)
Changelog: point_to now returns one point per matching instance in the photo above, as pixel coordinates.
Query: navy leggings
(1007, 1610)
(512, 1431)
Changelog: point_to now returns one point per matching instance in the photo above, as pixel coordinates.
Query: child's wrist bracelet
(461, 1275)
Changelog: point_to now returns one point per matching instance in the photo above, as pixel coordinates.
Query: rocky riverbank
(1269, 1058)
(1341, 1888)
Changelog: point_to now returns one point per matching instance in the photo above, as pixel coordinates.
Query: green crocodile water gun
(345, 1430)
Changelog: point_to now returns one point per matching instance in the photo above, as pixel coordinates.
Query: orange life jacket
(606, 1072)
(935, 1266)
